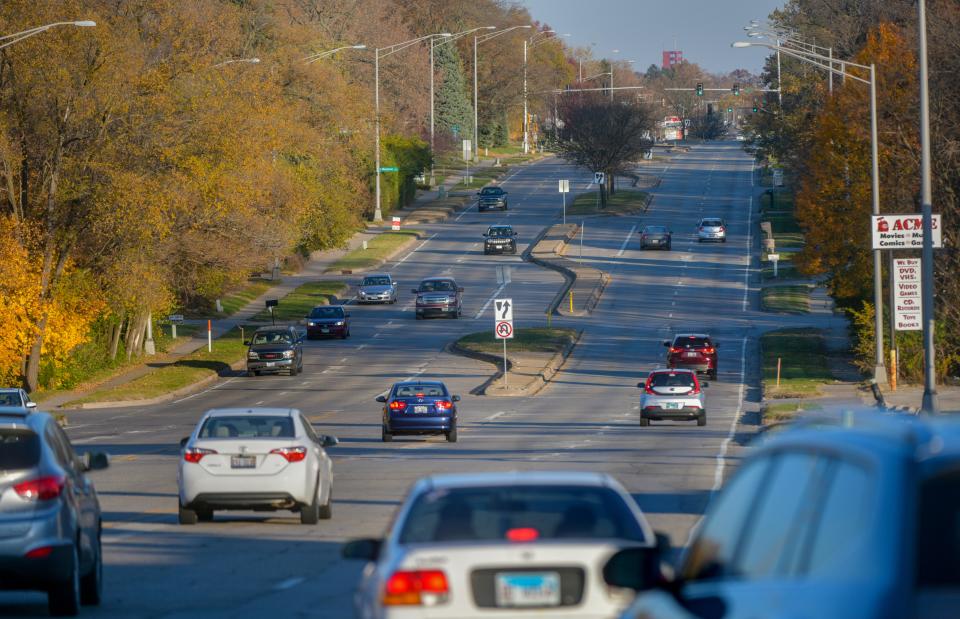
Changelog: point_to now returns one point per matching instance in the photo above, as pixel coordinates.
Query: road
(248, 564)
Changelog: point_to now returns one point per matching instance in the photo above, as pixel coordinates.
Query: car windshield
(376, 281)
(938, 532)
(713, 223)
(272, 337)
(654, 230)
(10, 398)
(671, 379)
(19, 449)
(442, 285)
(691, 341)
(499, 232)
(247, 426)
(491, 191)
(413, 391)
(326, 312)
(542, 512)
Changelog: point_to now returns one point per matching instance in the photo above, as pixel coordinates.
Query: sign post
(503, 328)
(775, 259)
(564, 190)
(272, 303)
(174, 319)
(209, 336)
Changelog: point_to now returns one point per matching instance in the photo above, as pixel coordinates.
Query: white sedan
(507, 545)
(255, 458)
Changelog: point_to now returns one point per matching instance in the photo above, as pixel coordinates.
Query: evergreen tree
(454, 110)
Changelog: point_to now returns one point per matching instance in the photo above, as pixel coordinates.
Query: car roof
(492, 187)
(419, 382)
(376, 275)
(273, 328)
(438, 278)
(340, 305)
(10, 390)
(501, 226)
(252, 411)
(673, 371)
(17, 417)
(515, 478)
(691, 335)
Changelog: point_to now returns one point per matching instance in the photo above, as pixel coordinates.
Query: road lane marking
(489, 301)
(289, 583)
(361, 346)
(722, 456)
(626, 240)
(217, 386)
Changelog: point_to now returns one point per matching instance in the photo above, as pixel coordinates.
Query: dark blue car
(419, 407)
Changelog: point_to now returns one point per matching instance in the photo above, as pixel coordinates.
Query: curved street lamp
(476, 40)
(19, 36)
(330, 52)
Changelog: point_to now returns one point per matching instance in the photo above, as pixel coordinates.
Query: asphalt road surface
(256, 564)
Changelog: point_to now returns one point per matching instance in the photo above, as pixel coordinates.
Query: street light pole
(526, 138)
(377, 213)
(16, 37)
(930, 403)
(476, 40)
(432, 149)
(779, 80)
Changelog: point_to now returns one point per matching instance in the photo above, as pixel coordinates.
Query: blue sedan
(419, 407)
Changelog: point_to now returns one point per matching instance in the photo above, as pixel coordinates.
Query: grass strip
(803, 363)
(790, 299)
(378, 250)
(302, 299)
(785, 411)
(623, 202)
(240, 298)
(189, 369)
(535, 339)
(480, 178)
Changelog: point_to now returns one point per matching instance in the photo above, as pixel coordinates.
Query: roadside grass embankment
(623, 202)
(239, 299)
(298, 303)
(788, 299)
(379, 249)
(804, 363)
(530, 340)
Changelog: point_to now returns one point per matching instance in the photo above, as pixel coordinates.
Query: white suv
(255, 458)
(712, 229)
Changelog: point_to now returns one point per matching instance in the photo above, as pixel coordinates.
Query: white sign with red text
(907, 299)
(902, 231)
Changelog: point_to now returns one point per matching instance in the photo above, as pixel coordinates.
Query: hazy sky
(641, 29)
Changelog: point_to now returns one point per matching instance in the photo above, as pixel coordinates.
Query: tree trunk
(115, 338)
(135, 334)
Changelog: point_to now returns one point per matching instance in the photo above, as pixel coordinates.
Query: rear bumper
(18, 572)
(658, 243)
(420, 424)
(272, 365)
(243, 500)
(657, 413)
(296, 483)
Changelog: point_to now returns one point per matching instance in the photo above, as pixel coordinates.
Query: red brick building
(671, 58)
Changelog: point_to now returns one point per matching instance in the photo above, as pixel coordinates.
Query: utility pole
(526, 137)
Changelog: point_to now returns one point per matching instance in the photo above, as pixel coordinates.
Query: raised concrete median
(584, 284)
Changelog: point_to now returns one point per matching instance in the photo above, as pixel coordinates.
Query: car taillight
(647, 386)
(522, 534)
(674, 349)
(443, 404)
(397, 405)
(41, 488)
(196, 454)
(416, 588)
(39, 553)
(709, 351)
(292, 454)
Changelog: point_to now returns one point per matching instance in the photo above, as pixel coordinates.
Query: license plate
(655, 241)
(519, 589)
(690, 354)
(419, 409)
(270, 364)
(673, 405)
(243, 462)
(324, 330)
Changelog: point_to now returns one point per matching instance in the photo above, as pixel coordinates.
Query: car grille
(271, 355)
(436, 300)
(483, 581)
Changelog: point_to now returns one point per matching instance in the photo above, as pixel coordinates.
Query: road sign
(902, 231)
(467, 149)
(773, 257)
(503, 274)
(504, 330)
(564, 186)
(778, 178)
(503, 309)
(598, 177)
(175, 317)
(390, 169)
(907, 300)
(395, 223)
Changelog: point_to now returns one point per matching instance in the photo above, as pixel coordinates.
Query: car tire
(385, 436)
(91, 583)
(713, 374)
(63, 598)
(723, 240)
(419, 316)
(702, 419)
(310, 512)
(326, 510)
(452, 435)
(644, 422)
(186, 516)
(669, 246)
(204, 515)
(251, 373)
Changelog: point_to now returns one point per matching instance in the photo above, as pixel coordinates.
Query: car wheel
(713, 374)
(669, 246)
(63, 598)
(644, 422)
(91, 584)
(345, 335)
(186, 516)
(702, 419)
(251, 373)
(452, 435)
(419, 316)
(205, 515)
(723, 240)
(310, 513)
(385, 436)
(326, 510)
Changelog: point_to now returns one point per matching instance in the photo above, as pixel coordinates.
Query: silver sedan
(377, 288)
(672, 394)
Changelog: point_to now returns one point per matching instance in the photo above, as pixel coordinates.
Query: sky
(640, 29)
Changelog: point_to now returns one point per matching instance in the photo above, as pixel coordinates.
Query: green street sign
(390, 169)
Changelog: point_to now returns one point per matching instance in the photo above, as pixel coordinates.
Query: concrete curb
(388, 258)
(577, 276)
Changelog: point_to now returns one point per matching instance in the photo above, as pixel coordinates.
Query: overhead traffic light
(730, 110)
(699, 89)
(736, 90)
(755, 109)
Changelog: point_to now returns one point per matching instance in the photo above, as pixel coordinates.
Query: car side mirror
(31, 404)
(704, 384)
(641, 385)
(367, 549)
(666, 343)
(95, 461)
(484, 235)
(381, 398)
(633, 568)
(455, 398)
(347, 314)
(460, 289)
(184, 441)
(329, 441)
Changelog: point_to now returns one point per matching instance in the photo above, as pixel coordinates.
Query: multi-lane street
(249, 564)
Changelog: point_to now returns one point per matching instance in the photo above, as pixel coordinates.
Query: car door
(323, 460)
(78, 490)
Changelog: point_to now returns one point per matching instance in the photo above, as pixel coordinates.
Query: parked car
(711, 229)
(856, 517)
(438, 296)
(328, 321)
(377, 288)
(50, 519)
(510, 544)
(695, 351)
(500, 239)
(656, 236)
(17, 398)
(673, 394)
(275, 349)
(491, 197)
(419, 407)
(255, 459)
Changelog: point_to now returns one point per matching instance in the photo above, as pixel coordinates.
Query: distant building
(671, 58)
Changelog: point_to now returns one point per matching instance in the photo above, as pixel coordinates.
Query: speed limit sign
(504, 330)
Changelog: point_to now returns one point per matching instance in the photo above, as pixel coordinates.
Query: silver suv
(712, 229)
(50, 519)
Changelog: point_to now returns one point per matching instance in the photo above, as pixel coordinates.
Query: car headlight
(311, 324)
(339, 323)
(252, 355)
(288, 354)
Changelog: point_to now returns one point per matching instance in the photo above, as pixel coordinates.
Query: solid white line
(722, 456)
(217, 386)
(361, 346)
(489, 301)
(495, 415)
(746, 271)
(626, 240)
(289, 583)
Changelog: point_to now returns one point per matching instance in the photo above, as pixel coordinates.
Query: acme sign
(902, 231)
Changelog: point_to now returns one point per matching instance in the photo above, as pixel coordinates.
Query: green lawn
(789, 299)
(302, 299)
(378, 249)
(785, 268)
(188, 370)
(786, 411)
(803, 357)
(623, 202)
(535, 339)
(238, 299)
(480, 177)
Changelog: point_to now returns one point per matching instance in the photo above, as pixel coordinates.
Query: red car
(693, 351)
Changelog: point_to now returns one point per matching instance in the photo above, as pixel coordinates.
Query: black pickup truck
(491, 197)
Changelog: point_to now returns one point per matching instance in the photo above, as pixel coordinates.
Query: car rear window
(654, 230)
(712, 222)
(541, 512)
(326, 312)
(691, 342)
(679, 379)
(938, 532)
(412, 391)
(19, 449)
(248, 426)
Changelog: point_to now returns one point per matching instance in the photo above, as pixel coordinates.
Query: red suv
(694, 351)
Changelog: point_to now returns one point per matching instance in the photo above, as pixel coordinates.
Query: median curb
(585, 283)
